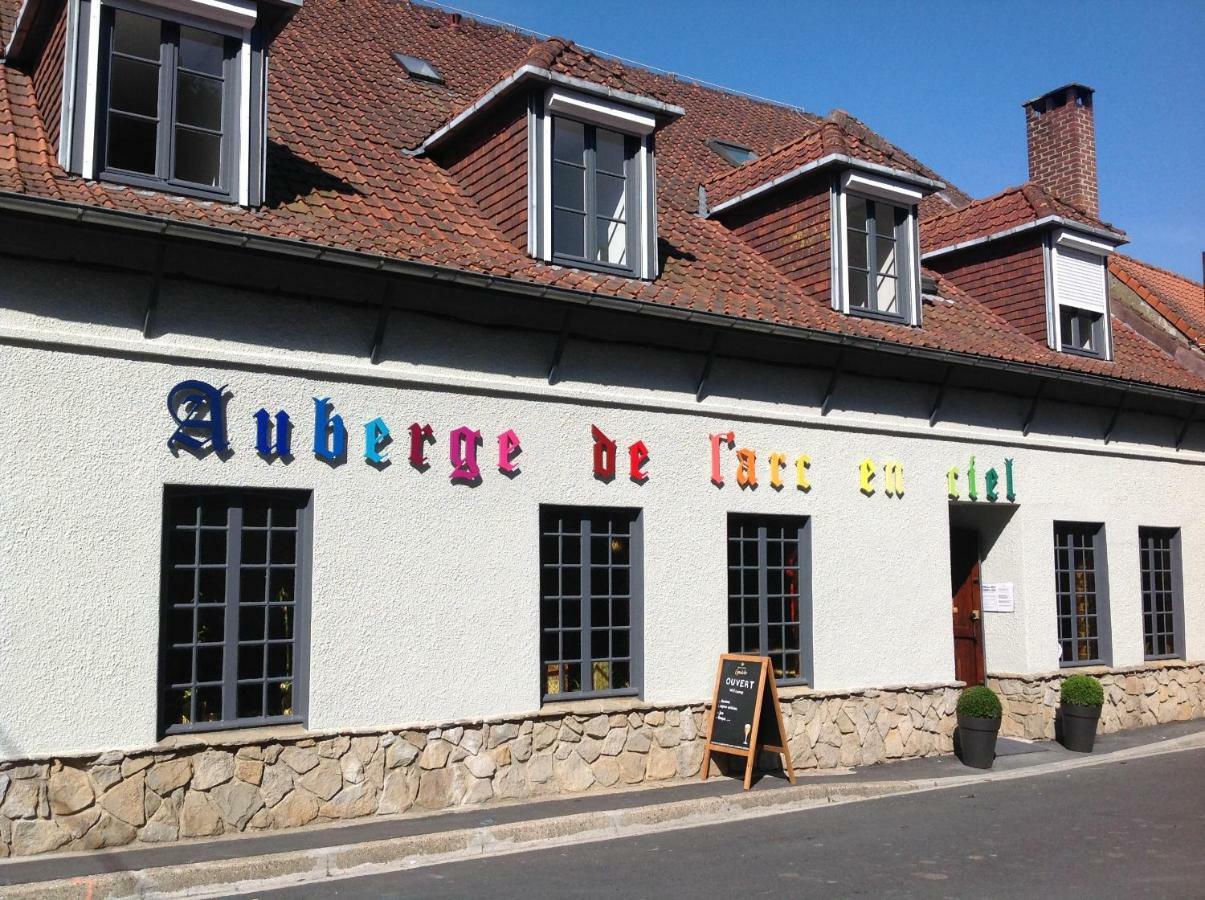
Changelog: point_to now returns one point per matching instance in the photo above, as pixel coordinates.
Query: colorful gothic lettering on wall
(991, 483)
(199, 412)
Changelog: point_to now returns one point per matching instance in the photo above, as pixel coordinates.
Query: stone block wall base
(1152, 694)
(171, 793)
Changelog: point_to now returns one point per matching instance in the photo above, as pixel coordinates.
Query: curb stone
(294, 868)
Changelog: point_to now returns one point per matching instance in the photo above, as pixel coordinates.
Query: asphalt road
(1127, 830)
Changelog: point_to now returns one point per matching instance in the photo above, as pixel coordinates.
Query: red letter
(726, 437)
(604, 455)
(638, 454)
(419, 435)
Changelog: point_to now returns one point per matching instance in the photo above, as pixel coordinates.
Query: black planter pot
(1079, 726)
(976, 742)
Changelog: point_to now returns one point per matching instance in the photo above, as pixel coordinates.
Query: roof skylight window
(733, 153)
(418, 68)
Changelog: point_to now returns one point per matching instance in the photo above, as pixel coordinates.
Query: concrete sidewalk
(251, 862)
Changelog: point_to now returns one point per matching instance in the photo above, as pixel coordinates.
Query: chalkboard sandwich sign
(745, 715)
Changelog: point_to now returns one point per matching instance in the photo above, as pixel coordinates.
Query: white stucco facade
(425, 593)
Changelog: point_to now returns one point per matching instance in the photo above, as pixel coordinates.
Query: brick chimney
(1061, 134)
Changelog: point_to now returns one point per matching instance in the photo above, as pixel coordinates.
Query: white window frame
(875, 187)
(230, 18)
(1056, 244)
(561, 102)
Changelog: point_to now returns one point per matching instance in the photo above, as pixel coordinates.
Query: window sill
(569, 262)
(232, 736)
(1084, 354)
(890, 318)
(594, 705)
(794, 691)
(225, 198)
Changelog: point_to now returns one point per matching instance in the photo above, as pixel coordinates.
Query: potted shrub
(978, 724)
(1080, 700)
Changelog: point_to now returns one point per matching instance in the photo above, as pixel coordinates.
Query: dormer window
(167, 103)
(876, 268)
(1077, 295)
(169, 95)
(592, 187)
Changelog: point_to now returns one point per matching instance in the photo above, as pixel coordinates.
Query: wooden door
(968, 610)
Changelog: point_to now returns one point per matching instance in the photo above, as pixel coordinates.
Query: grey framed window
(168, 105)
(878, 261)
(1162, 592)
(595, 208)
(1081, 586)
(769, 592)
(1082, 331)
(234, 622)
(590, 602)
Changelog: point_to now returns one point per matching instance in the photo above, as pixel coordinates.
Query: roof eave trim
(535, 73)
(1109, 237)
(155, 225)
(27, 20)
(833, 159)
(21, 29)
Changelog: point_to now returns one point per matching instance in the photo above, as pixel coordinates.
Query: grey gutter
(1058, 221)
(547, 76)
(146, 224)
(833, 159)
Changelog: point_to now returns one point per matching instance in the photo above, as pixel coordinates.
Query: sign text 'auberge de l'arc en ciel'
(199, 411)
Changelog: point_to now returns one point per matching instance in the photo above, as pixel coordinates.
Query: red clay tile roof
(838, 134)
(1012, 207)
(341, 112)
(1178, 299)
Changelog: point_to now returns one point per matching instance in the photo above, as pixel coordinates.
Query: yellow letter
(801, 472)
(952, 483)
(866, 470)
(777, 462)
(893, 473)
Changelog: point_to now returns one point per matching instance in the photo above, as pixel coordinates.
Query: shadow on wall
(228, 299)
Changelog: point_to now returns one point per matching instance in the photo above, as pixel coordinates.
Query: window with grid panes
(590, 603)
(766, 591)
(1081, 599)
(169, 103)
(235, 608)
(591, 195)
(878, 237)
(1082, 331)
(1161, 588)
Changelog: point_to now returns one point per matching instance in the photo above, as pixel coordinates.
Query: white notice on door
(998, 597)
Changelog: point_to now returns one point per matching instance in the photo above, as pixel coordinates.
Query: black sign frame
(739, 723)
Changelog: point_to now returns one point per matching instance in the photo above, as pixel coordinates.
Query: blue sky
(945, 81)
